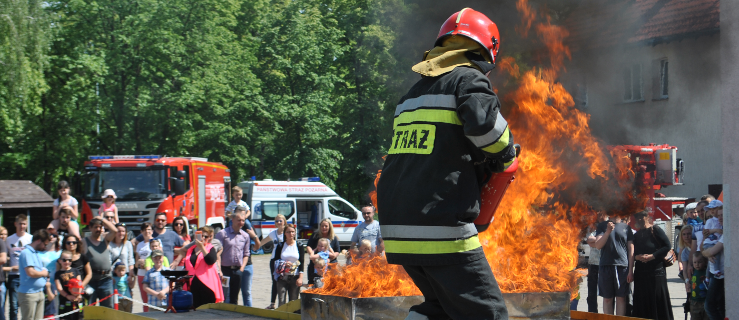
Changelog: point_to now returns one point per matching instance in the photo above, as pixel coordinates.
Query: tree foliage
(272, 88)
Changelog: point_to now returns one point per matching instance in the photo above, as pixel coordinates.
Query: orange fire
(368, 277)
(565, 175)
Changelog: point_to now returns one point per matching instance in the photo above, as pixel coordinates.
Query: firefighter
(449, 136)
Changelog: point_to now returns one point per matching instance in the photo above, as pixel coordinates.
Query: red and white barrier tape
(115, 300)
(146, 304)
(78, 310)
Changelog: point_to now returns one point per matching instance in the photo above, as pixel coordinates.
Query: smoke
(606, 38)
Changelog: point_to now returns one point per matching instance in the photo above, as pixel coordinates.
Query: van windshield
(270, 209)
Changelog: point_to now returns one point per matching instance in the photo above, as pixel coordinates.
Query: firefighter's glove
(505, 160)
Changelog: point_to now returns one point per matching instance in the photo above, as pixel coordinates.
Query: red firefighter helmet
(474, 25)
(75, 286)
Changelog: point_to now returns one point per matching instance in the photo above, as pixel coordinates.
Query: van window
(270, 209)
(341, 209)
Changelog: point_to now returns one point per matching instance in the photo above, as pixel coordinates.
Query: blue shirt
(156, 281)
(30, 258)
(697, 225)
(169, 240)
(121, 283)
(369, 231)
(49, 258)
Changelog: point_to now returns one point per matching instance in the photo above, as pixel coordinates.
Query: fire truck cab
(147, 184)
(304, 203)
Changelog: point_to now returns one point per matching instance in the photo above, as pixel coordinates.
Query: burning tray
(537, 305)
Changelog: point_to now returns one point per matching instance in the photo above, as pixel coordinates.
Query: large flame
(565, 175)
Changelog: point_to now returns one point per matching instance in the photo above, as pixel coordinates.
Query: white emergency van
(304, 203)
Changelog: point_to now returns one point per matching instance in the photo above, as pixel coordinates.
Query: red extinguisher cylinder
(492, 193)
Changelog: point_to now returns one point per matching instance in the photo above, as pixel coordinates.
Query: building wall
(730, 126)
(690, 118)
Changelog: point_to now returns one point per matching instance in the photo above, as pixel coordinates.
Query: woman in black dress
(200, 263)
(325, 230)
(651, 297)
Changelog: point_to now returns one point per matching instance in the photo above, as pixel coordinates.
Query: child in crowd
(364, 250)
(322, 250)
(65, 273)
(120, 279)
(65, 199)
(698, 288)
(319, 265)
(155, 244)
(711, 233)
(692, 215)
(154, 283)
(236, 194)
(108, 204)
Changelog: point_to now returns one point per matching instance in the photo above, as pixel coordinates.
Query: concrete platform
(224, 311)
(201, 314)
(209, 311)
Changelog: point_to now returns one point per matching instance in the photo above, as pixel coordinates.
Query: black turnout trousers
(461, 291)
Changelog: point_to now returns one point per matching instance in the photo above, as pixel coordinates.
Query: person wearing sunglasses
(169, 238)
(109, 204)
(80, 262)
(178, 226)
(200, 263)
(64, 273)
(97, 249)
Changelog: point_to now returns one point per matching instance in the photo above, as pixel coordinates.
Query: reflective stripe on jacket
(429, 190)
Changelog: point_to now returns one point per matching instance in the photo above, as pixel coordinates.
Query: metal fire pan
(538, 305)
(315, 306)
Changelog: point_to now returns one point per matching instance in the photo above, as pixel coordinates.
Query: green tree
(25, 32)
(368, 93)
(300, 43)
(176, 77)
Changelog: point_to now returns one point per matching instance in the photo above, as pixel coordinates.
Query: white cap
(691, 206)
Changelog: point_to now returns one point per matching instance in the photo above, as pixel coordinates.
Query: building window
(663, 78)
(633, 89)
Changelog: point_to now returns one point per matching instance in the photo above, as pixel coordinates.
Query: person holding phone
(200, 263)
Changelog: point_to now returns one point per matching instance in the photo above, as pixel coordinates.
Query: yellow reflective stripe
(427, 115)
(500, 144)
(432, 247)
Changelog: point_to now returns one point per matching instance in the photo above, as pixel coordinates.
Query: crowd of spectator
(56, 271)
(627, 267)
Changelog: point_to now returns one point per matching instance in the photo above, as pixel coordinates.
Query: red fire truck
(656, 167)
(147, 184)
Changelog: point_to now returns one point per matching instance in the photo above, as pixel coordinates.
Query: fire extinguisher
(492, 193)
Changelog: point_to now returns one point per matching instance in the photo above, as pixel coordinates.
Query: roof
(23, 194)
(606, 23)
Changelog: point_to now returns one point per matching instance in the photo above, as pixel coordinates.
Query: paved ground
(674, 284)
